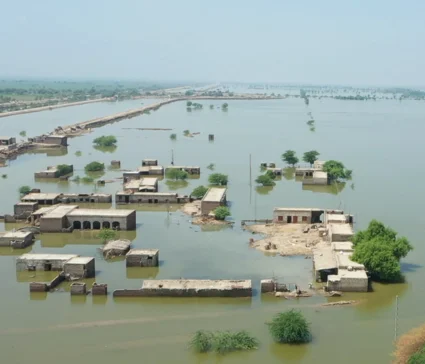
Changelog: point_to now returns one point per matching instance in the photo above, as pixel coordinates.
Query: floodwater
(381, 141)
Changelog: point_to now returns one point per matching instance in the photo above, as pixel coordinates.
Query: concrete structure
(116, 164)
(7, 140)
(276, 171)
(116, 248)
(24, 209)
(86, 197)
(52, 172)
(190, 288)
(188, 169)
(42, 198)
(98, 218)
(318, 165)
(297, 215)
(52, 139)
(43, 262)
(324, 264)
(214, 198)
(80, 267)
(53, 219)
(348, 281)
(149, 197)
(316, 178)
(149, 162)
(98, 289)
(142, 258)
(16, 239)
(78, 289)
(130, 175)
(146, 184)
(151, 171)
(342, 246)
(340, 232)
(338, 218)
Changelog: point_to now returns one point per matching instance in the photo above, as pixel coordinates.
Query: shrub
(199, 192)
(76, 179)
(105, 141)
(221, 212)
(87, 180)
(107, 234)
(4, 176)
(24, 190)
(290, 327)
(176, 174)
(336, 170)
(211, 166)
(188, 103)
(23, 133)
(222, 342)
(173, 136)
(271, 174)
(64, 169)
(94, 167)
(265, 180)
(78, 153)
(218, 179)
(410, 347)
(186, 132)
(225, 106)
(211, 107)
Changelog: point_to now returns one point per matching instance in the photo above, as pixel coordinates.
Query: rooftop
(143, 252)
(336, 217)
(221, 284)
(59, 211)
(341, 229)
(171, 167)
(359, 274)
(41, 196)
(32, 203)
(215, 194)
(296, 209)
(56, 136)
(100, 212)
(148, 181)
(342, 246)
(17, 234)
(344, 261)
(80, 260)
(47, 257)
(159, 194)
(133, 184)
(320, 174)
(324, 259)
(149, 160)
(44, 210)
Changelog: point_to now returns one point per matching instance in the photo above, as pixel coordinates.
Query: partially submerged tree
(107, 234)
(380, 250)
(24, 190)
(94, 167)
(222, 342)
(176, 174)
(311, 156)
(64, 169)
(218, 179)
(336, 170)
(105, 141)
(265, 180)
(290, 327)
(188, 103)
(290, 157)
(221, 212)
(173, 136)
(23, 133)
(78, 153)
(225, 106)
(211, 166)
(199, 192)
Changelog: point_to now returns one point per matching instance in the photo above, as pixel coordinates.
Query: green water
(381, 141)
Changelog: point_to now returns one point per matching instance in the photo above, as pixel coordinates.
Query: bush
(105, 141)
(290, 327)
(410, 347)
(186, 132)
(24, 190)
(78, 153)
(107, 234)
(221, 212)
(199, 192)
(211, 166)
(76, 179)
(87, 180)
(64, 169)
(271, 174)
(4, 176)
(336, 170)
(225, 106)
(94, 167)
(222, 342)
(23, 133)
(218, 179)
(173, 136)
(176, 174)
(265, 180)
(188, 103)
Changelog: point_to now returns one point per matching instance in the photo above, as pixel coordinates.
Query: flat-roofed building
(188, 169)
(80, 267)
(340, 232)
(316, 178)
(214, 198)
(146, 184)
(4, 140)
(16, 239)
(25, 209)
(54, 219)
(43, 262)
(42, 198)
(148, 197)
(102, 218)
(293, 215)
(142, 258)
(149, 162)
(86, 197)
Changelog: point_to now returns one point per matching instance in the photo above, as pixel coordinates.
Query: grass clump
(24, 190)
(107, 234)
(290, 327)
(78, 153)
(410, 347)
(222, 342)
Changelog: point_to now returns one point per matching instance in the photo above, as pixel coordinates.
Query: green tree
(78, 153)
(199, 192)
(94, 167)
(380, 250)
(290, 327)
(336, 170)
(176, 174)
(105, 141)
(23, 133)
(290, 157)
(173, 136)
(218, 179)
(221, 212)
(188, 103)
(107, 234)
(311, 156)
(211, 107)
(265, 180)
(64, 169)
(270, 174)
(225, 106)
(24, 190)
(222, 342)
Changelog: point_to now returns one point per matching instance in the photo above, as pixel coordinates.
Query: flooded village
(284, 244)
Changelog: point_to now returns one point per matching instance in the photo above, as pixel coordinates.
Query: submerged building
(214, 198)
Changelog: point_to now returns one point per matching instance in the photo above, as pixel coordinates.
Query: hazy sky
(359, 42)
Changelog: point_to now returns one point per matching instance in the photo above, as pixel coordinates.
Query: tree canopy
(64, 169)
(290, 157)
(107, 234)
(380, 250)
(24, 190)
(105, 141)
(311, 156)
(218, 179)
(94, 167)
(265, 180)
(199, 192)
(336, 170)
(290, 327)
(221, 212)
(176, 174)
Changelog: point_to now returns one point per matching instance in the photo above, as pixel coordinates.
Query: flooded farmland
(380, 140)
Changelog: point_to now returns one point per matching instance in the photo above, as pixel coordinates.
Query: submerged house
(149, 162)
(52, 139)
(146, 184)
(125, 197)
(214, 198)
(54, 172)
(16, 239)
(7, 141)
(42, 198)
(189, 169)
(297, 215)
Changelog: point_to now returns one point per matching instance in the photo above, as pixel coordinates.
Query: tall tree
(290, 157)
(311, 156)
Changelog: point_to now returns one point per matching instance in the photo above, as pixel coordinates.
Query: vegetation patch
(176, 174)
(311, 156)
(290, 327)
(105, 141)
(24, 190)
(173, 136)
(107, 234)
(218, 179)
(222, 342)
(410, 348)
(63, 170)
(290, 157)
(336, 171)
(199, 192)
(221, 212)
(94, 167)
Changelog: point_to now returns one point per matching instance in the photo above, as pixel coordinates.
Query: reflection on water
(264, 190)
(50, 152)
(333, 189)
(175, 185)
(142, 272)
(237, 302)
(289, 352)
(289, 173)
(215, 227)
(38, 296)
(100, 300)
(8, 251)
(110, 149)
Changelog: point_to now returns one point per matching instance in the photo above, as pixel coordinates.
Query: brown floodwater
(381, 141)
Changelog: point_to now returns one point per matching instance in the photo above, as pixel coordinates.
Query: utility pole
(172, 157)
